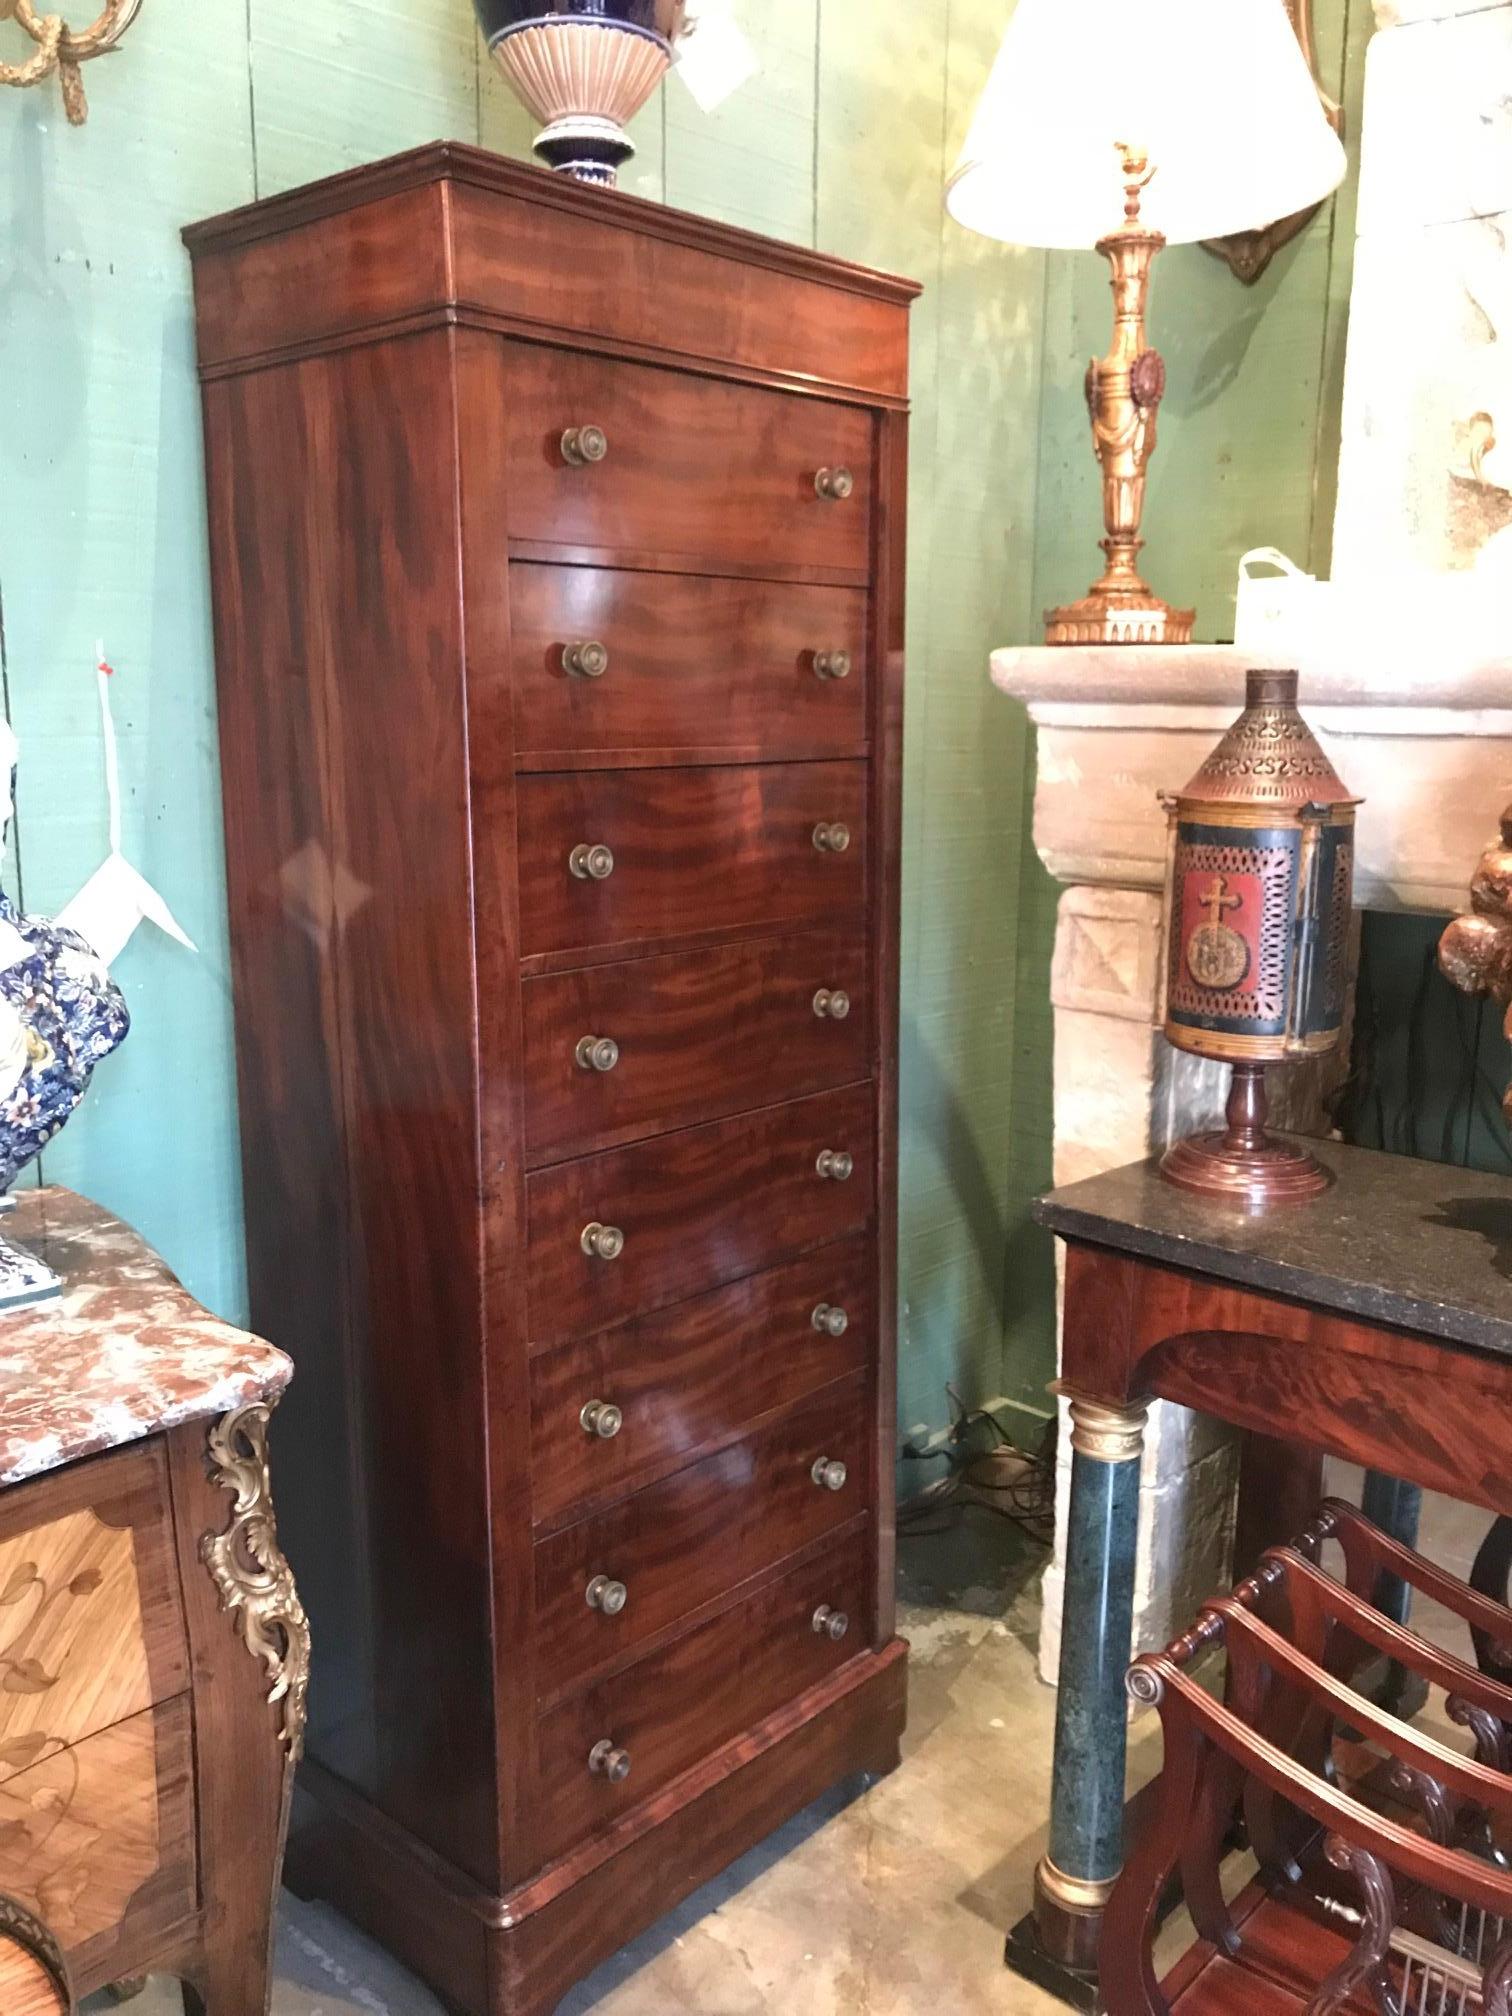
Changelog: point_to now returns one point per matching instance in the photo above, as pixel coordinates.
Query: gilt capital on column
(1107, 1431)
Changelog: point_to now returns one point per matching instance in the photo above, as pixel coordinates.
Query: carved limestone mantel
(1429, 748)
(1427, 744)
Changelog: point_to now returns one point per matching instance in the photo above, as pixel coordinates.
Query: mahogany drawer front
(696, 471)
(91, 1629)
(687, 1541)
(679, 1704)
(689, 851)
(691, 1210)
(692, 1036)
(693, 1375)
(98, 1841)
(690, 663)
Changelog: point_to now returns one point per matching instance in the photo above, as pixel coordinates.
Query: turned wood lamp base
(1246, 1163)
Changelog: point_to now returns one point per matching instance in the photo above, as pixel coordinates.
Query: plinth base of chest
(518, 1955)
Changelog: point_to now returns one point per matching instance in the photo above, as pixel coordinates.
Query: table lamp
(1202, 118)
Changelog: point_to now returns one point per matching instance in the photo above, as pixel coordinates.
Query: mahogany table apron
(557, 542)
(1374, 1324)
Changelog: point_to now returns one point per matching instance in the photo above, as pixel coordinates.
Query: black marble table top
(1419, 1245)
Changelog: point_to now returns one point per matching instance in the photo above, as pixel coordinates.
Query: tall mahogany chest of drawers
(558, 547)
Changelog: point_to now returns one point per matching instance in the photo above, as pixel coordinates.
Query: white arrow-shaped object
(116, 898)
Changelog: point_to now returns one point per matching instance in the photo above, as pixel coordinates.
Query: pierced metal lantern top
(1270, 758)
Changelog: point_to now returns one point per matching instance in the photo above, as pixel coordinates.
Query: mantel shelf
(1426, 742)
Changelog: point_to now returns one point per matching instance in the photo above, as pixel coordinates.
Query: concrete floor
(890, 1902)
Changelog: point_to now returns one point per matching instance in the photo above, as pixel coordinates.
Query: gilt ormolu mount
(1476, 951)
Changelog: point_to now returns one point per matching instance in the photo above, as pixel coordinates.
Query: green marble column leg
(1076, 1877)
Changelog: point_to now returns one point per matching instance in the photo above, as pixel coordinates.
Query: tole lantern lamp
(1260, 898)
(585, 68)
(1199, 118)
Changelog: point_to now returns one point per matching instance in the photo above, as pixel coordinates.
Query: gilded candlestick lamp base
(1246, 1163)
(1111, 613)
(1124, 391)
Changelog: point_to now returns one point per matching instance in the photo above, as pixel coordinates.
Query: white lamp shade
(1216, 92)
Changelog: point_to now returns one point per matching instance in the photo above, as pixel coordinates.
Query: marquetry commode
(558, 545)
(153, 1652)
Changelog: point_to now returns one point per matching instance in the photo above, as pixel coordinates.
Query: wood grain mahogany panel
(90, 1625)
(692, 849)
(496, 240)
(693, 1375)
(373, 263)
(697, 1208)
(581, 268)
(693, 662)
(700, 470)
(678, 1704)
(338, 614)
(700, 1035)
(1409, 1406)
(549, 1931)
(759, 1496)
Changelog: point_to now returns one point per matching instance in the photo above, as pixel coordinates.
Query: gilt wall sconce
(60, 48)
(1248, 253)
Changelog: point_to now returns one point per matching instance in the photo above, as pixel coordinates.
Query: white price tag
(115, 899)
(714, 57)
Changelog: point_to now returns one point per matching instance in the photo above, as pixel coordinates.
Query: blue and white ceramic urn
(60, 1013)
(585, 68)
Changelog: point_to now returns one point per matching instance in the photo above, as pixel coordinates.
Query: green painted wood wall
(844, 143)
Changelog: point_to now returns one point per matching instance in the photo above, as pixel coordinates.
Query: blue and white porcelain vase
(60, 1013)
(585, 68)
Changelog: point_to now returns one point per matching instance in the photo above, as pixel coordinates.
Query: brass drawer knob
(586, 660)
(831, 837)
(607, 1595)
(582, 446)
(829, 1474)
(603, 1242)
(597, 1053)
(835, 1165)
(832, 1624)
(602, 1419)
(607, 1761)
(832, 1003)
(831, 1319)
(591, 864)
(835, 485)
(832, 664)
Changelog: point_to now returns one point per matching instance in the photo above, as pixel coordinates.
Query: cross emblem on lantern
(1218, 899)
(1217, 956)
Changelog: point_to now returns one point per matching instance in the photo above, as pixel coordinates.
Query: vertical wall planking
(336, 85)
(751, 161)
(104, 537)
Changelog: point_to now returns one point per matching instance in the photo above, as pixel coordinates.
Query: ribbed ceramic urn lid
(1270, 756)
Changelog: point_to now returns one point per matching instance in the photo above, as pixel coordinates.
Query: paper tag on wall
(116, 898)
(110, 906)
(714, 57)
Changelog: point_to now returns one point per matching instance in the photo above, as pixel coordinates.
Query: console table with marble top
(154, 1655)
(1373, 1323)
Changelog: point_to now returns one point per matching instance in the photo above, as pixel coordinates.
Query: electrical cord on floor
(1015, 1484)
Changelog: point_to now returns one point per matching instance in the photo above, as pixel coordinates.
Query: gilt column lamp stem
(1207, 112)
(1124, 391)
